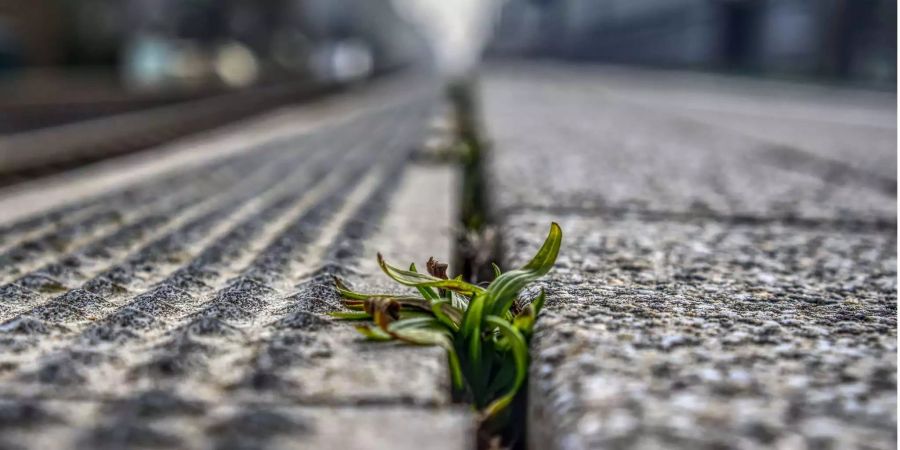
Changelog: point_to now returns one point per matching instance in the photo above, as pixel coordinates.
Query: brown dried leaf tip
(436, 269)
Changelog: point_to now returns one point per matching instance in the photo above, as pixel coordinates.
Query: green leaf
(407, 277)
(414, 302)
(504, 377)
(497, 271)
(502, 291)
(546, 255)
(410, 314)
(426, 292)
(373, 334)
(519, 349)
(524, 322)
(415, 322)
(473, 316)
(415, 279)
(349, 294)
(456, 375)
(470, 331)
(447, 314)
(346, 292)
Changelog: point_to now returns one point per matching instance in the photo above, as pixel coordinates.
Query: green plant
(485, 331)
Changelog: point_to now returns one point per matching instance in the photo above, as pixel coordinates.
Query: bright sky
(457, 29)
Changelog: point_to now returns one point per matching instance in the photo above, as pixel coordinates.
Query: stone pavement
(728, 275)
(175, 298)
(728, 270)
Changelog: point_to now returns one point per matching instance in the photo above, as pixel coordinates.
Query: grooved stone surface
(187, 309)
(708, 293)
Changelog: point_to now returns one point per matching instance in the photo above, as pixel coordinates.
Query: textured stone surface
(706, 295)
(586, 149)
(156, 419)
(704, 334)
(854, 127)
(188, 308)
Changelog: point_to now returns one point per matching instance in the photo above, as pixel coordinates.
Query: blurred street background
(851, 41)
(155, 44)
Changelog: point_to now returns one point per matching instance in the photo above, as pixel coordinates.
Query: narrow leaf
(519, 350)
(373, 334)
(351, 296)
(524, 322)
(426, 292)
(502, 291)
(447, 314)
(415, 279)
(416, 322)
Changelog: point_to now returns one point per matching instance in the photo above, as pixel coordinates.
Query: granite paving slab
(588, 150)
(853, 127)
(706, 295)
(188, 308)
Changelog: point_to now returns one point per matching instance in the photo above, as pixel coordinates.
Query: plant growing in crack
(485, 331)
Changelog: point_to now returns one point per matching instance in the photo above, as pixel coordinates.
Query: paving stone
(589, 150)
(157, 419)
(703, 334)
(197, 318)
(704, 297)
(854, 127)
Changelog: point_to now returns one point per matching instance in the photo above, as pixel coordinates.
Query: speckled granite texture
(719, 285)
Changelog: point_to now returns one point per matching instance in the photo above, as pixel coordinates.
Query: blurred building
(159, 42)
(236, 42)
(849, 39)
